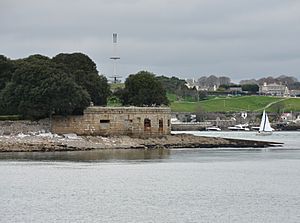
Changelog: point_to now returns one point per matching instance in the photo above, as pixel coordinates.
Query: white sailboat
(265, 127)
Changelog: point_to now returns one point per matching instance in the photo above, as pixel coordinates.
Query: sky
(241, 39)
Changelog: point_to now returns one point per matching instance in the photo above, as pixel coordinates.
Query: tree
(171, 85)
(251, 88)
(212, 81)
(201, 114)
(6, 70)
(202, 81)
(202, 95)
(39, 88)
(85, 73)
(224, 80)
(143, 89)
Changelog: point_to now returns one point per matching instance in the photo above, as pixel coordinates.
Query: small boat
(265, 127)
(239, 127)
(213, 128)
(255, 128)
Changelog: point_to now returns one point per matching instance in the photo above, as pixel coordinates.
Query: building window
(169, 123)
(160, 125)
(104, 121)
(147, 124)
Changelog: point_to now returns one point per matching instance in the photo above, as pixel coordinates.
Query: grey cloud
(238, 38)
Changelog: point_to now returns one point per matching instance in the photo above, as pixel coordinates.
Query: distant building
(235, 89)
(108, 121)
(286, 117)
(191, 83)
(274, 89)
(295, 93)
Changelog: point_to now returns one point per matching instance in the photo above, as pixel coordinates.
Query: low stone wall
(188, 126)
(109, 121)
(24, 126)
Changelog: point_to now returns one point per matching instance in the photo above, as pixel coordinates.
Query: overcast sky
(241, 39)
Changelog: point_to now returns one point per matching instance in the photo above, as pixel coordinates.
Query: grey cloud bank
(238, 38)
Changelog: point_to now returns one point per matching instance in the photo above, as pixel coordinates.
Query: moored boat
(239, 127)
(213, 128)
(265, 127)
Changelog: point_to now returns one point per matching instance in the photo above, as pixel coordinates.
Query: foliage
(295, 86)
(85, 73)
(38, 88)
(251, 88)
(114, 101)
(172, 85)
(6, 70)
(143, 89)
(178, 86)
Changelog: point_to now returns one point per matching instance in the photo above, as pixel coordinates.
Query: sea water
(183, 185)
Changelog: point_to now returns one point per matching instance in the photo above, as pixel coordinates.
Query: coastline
(47, 142)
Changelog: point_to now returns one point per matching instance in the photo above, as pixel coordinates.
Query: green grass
(171, 97)
(290, 104)
(10, 117)
(238, 103)
(115, 86)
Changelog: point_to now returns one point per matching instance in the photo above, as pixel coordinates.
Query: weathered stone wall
(116, 121)
(24, 126)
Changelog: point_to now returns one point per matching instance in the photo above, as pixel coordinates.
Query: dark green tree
(85, 73)
(251, 88)
(6, 71)
(173, 84)
(143, 89)
(39, 88)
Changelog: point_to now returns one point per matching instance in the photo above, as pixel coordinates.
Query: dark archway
(147, 124)
(160, 125)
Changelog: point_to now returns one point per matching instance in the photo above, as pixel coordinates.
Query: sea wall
(24, 126)
(189, 126)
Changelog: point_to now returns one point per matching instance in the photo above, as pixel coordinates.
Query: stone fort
(109, 121)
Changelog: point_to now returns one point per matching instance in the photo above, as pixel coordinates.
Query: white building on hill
(274, 89)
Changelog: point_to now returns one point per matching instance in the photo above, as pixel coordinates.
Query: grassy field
(239, 103)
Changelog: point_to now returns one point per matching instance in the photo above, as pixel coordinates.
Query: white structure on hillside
(274, 89)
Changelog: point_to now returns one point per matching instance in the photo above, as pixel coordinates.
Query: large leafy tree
(85, 73)
(6, 70)
(40, 88)
(143, 89)
(251, 88)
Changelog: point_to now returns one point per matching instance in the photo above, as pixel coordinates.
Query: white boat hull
(264, 133)
(213, 129)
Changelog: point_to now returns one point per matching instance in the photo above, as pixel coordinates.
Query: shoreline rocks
(47, 142)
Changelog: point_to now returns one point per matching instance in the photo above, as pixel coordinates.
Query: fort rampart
(107, 121)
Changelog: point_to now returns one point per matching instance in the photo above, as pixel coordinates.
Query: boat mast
(265, 119)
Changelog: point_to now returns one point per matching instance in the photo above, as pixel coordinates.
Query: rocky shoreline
(44, 142)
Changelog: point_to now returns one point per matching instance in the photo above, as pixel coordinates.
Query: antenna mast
(114, 58)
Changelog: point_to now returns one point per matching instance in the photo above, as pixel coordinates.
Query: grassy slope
(290, 104)
(243, 103)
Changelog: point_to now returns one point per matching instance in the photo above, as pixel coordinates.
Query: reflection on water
(92, 155)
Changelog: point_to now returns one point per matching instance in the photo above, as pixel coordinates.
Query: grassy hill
(239, 103)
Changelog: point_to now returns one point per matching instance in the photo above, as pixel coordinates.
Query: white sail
(265, 124)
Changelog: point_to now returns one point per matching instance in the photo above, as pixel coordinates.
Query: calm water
(187, 185)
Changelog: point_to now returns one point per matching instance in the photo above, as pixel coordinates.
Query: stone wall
(105, 121)
(24, 126)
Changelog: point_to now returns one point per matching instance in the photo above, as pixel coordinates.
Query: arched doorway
(160, 125)
(147, 125)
